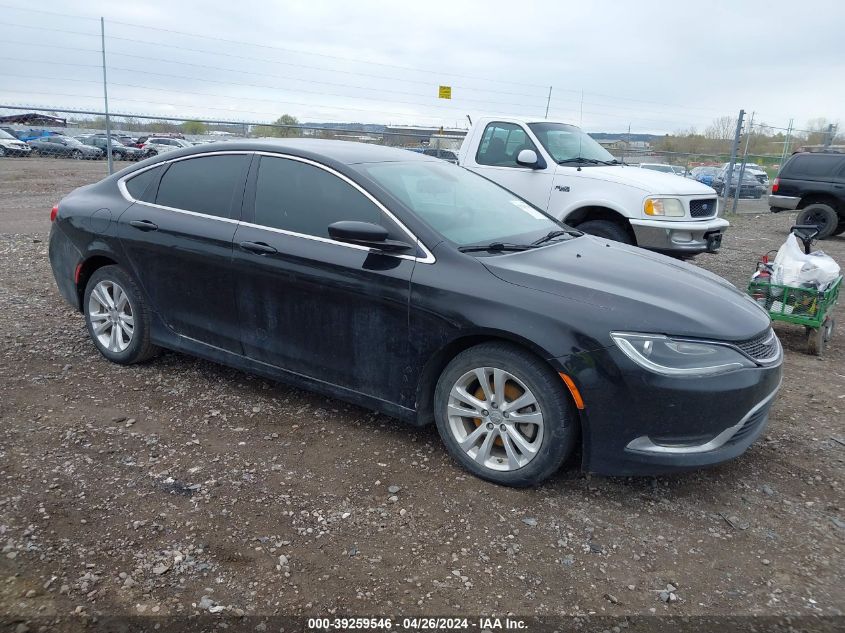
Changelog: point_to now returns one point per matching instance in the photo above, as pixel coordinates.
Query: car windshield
(567, 142)
(463, 207)
(5, 135)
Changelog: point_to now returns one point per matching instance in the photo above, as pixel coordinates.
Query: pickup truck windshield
(568, 143)
(463, 207)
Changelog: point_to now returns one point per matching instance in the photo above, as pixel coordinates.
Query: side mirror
(366, 234)
(528, 158)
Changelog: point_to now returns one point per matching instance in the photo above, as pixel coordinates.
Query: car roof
(344, 152)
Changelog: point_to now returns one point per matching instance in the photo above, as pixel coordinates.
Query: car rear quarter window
(298, 197)
(139, 186)
(813, 165)
(202, 185)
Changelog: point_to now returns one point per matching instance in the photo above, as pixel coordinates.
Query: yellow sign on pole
(445, 92)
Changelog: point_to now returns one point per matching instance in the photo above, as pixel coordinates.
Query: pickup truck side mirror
(529, 158)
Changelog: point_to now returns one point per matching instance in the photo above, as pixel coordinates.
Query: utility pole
(828, 139)
(734, 148)
(786, 144)
(744, 160)
(581, 115)
(106, 94)
(548, 101)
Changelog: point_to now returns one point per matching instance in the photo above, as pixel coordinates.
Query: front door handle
(144, 225)
(258, 247)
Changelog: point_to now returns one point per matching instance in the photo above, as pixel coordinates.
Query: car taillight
(53, 213)
(775, 185)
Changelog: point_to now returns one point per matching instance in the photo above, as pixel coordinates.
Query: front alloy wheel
(495, 419)
(504, 414)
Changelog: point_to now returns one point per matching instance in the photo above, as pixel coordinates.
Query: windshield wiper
(581, 159)
(496, 247)
(551, 235)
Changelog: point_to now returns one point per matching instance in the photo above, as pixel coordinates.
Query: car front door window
(309, 304)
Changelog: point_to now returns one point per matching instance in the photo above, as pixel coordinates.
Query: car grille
(702, 208)
(762, 348)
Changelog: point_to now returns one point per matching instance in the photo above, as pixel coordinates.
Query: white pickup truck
(559, 168)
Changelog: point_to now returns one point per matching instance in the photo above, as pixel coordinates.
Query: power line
(283, 49)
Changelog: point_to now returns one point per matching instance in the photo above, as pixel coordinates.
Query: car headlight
(664, 207)
(679, 358)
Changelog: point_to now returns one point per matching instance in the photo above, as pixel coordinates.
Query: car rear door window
(202, 185)
(301, 198)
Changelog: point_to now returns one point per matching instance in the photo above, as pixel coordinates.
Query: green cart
(802, 306)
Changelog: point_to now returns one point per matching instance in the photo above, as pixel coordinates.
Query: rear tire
(117, 317)
(607, 229)
(821, 215)
(495, 445)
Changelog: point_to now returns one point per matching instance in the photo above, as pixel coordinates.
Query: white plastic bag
(793, 267)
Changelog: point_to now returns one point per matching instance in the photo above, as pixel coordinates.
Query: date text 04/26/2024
(416, 624)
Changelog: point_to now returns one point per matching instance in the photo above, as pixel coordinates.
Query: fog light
(681, 236)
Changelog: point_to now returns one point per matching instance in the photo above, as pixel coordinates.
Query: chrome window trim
(427, 259)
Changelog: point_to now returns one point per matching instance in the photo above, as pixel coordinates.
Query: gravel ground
(181, 487)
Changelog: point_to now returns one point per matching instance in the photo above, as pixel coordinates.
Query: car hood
(652, 182)
(625, 288)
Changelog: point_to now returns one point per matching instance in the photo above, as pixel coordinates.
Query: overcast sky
(658, 66)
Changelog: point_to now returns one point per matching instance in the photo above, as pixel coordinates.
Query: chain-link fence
(83, 135)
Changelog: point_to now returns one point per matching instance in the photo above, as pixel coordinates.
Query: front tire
(821, 215)
(607, 229)
(504, 415)
(117, 317)
(76, 155)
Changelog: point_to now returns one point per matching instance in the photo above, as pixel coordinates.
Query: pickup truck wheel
(606, 229)
(822, 215)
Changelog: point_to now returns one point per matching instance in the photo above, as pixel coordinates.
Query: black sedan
(416, 288)
(118, 149)
(64, 147)
(749, 188)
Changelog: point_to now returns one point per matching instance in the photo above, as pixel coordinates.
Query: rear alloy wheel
(821, 215)
(607, 229)
(504, 415)
(117, 318)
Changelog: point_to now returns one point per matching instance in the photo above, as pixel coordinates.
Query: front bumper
(675, 237)
(781, 203)
(639, 423)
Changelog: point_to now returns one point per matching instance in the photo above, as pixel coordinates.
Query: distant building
(34, 118)
(618, 144)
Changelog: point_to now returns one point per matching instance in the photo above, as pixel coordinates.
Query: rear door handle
(258, 247)
(144, 225)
